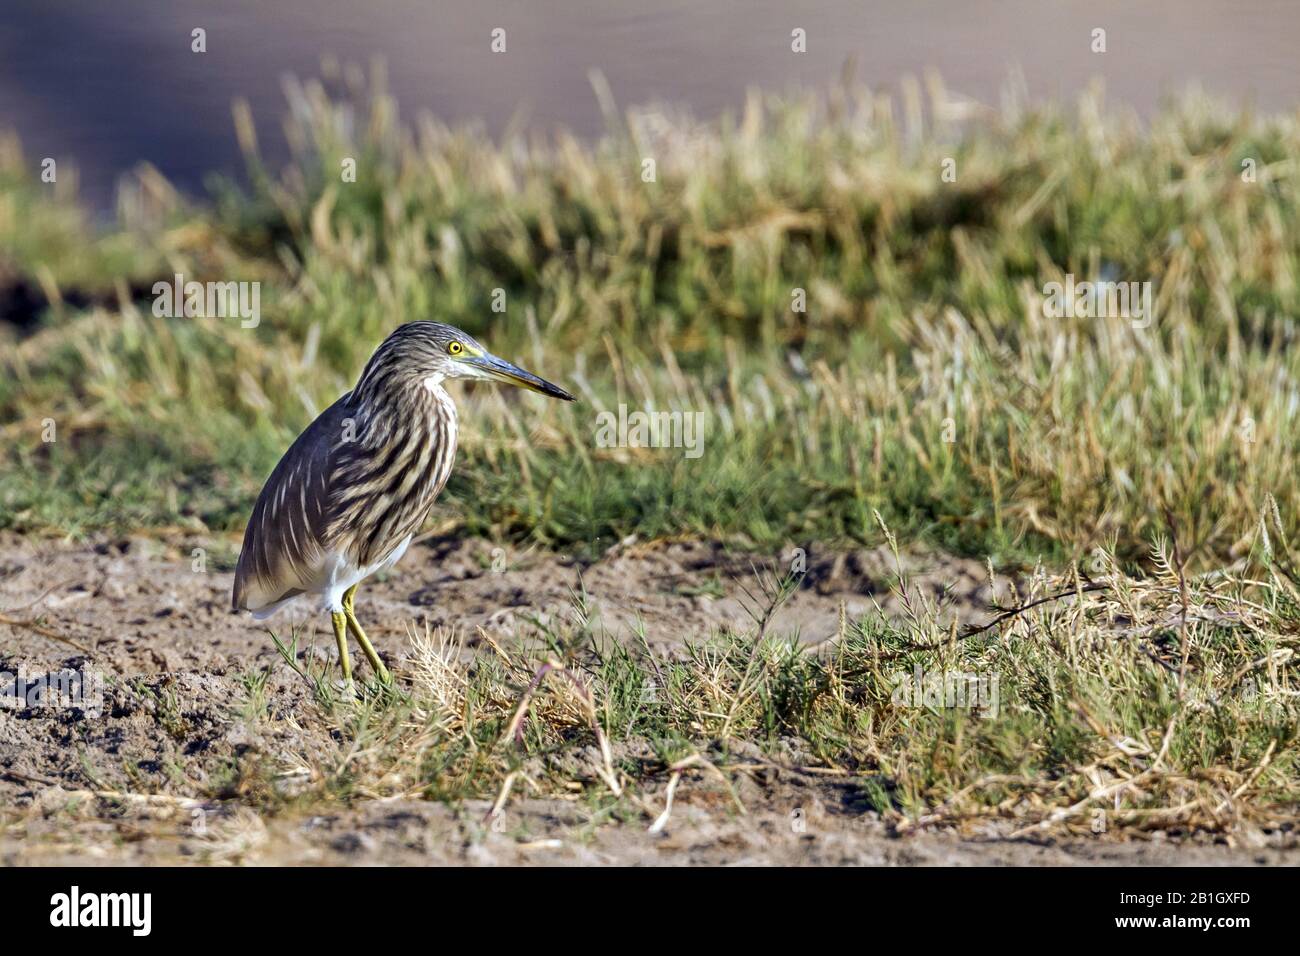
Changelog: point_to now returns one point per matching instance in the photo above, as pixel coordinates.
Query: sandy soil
(159, 624)
(141, 604)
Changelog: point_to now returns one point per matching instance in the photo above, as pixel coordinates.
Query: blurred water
(108, 83)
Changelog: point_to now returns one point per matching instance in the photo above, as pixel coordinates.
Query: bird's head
(431, 352)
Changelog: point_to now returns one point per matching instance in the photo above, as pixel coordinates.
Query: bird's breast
(388, 487)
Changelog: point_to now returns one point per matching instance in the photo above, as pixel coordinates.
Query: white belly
(335, 574)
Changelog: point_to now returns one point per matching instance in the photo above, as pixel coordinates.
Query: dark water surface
(108, 83)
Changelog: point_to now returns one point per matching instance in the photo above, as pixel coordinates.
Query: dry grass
(1124, 705)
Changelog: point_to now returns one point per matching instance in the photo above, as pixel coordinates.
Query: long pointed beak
(503, 371)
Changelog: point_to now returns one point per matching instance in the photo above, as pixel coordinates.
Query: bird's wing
(285, 543)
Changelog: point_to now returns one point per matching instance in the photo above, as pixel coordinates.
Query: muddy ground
(154, 616)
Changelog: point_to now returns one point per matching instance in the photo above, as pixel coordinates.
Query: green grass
(922, 324)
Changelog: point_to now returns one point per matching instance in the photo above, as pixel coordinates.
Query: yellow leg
(341, 635)
(367, 648)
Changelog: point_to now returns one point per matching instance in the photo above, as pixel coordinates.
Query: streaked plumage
(357, 484)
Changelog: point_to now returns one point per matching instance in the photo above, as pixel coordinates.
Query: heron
(353, 489)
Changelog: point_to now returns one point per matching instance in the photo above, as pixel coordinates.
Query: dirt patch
(162, 771)
(147, 607)
(413, 833)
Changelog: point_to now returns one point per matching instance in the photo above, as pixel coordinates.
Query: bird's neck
(436, 399)
(419, 405)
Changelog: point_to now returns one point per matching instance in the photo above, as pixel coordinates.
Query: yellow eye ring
(455, 348)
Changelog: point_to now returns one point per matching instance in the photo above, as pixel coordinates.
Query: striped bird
(357, 484)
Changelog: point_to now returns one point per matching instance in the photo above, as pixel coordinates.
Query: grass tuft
(1160, 701)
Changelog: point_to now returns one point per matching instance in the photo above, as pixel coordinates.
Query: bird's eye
(455, 348)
